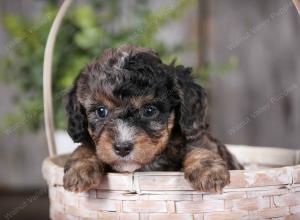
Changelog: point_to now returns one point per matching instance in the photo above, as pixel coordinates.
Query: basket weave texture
(270, 193)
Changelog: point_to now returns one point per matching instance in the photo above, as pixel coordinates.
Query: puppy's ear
(77, 119)
(192, 107)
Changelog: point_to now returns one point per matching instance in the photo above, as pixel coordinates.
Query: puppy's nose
(123, 149)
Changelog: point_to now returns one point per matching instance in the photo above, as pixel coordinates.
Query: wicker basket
(268, 189)
(252, 194)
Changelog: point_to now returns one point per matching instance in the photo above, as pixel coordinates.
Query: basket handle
(297, 5)
(47, 82)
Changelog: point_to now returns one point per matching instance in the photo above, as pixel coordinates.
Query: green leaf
(88, 38)
(84, 16)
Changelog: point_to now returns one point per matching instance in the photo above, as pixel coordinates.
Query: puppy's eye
(149, 111)
(102, 112)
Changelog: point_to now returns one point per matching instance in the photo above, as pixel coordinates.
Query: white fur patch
(126, 166)
(124, 133)
(121, 61)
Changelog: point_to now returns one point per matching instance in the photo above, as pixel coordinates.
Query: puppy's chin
(126, 166)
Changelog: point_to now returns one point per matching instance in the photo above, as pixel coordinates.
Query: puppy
(131, 112)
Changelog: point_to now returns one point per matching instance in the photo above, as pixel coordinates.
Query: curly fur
(125, 80)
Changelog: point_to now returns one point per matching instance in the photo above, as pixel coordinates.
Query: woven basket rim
(174, 181)
(252, 194)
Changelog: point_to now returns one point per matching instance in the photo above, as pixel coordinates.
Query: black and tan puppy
(131, 112)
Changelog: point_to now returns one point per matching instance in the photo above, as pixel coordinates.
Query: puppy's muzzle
(123, 149)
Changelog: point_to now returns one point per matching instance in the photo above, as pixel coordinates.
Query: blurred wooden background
(256, 103)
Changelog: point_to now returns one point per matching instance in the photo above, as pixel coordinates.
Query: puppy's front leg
(83, 170)
(205, 170)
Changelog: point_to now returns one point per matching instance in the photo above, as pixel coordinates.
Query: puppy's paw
(82, 174)
(212, 179)
(206, 171)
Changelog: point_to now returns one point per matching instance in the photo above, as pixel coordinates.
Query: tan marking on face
(104, 148)
(93, 135)
(147, 148)
(139, 101)
(106, 100)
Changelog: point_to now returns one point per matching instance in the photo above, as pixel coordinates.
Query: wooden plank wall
(21, 155)
(257, 103)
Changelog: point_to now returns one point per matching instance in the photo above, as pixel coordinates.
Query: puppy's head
(126, 103)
